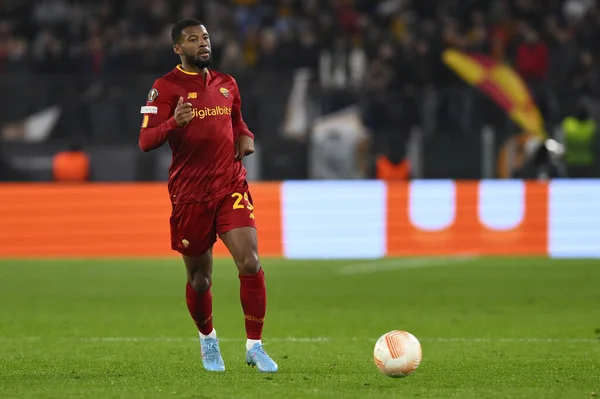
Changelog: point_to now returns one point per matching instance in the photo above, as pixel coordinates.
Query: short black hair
(181, 25)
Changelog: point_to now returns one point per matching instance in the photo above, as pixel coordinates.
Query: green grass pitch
(489, 328)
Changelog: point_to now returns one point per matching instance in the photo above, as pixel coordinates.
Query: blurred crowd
(384, 54)
(372, 45)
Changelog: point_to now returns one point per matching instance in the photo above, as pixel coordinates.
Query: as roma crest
(152, 94)
(224, 92)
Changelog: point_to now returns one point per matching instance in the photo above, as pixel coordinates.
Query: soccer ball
(397, 353)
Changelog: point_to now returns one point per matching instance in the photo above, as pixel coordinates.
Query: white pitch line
(181, 339)
(521, 340)
(407, 263)
(301, 339)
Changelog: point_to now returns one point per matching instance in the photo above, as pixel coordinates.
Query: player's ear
(177, 49)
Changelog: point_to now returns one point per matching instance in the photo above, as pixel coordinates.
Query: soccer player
(198, 112)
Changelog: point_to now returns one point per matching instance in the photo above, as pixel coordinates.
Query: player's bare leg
(242, 243)
(199, 302)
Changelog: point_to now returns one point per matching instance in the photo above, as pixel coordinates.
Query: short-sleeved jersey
(203, 164)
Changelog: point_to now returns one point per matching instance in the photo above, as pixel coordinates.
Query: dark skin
(195, 52)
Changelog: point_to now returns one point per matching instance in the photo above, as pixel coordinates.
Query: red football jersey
(203, 166)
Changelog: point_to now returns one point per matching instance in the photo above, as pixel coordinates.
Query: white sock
(251, 342)
(213, 334)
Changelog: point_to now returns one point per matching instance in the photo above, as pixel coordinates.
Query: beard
(197, 62)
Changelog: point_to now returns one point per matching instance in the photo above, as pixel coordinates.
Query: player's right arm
(163, 113)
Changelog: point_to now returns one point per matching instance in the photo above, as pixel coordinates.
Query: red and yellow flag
(502, 84)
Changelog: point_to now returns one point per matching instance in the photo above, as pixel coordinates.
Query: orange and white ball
(397, 353)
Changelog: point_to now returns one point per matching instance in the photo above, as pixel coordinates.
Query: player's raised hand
(244, 146)
(183, 113)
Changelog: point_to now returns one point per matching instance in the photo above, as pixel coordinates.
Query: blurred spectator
(532, 57)
(585, 79)
(71, 166)
(386, 170)
(579, 133)
(15, 58)
(96, 58)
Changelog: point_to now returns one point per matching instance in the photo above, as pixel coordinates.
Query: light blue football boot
(259, 358)
(211, 354)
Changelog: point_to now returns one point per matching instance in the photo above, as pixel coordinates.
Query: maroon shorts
(194, 227)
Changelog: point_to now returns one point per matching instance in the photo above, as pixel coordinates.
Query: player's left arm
(243, 137)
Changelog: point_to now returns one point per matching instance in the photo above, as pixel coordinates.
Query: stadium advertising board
(317, 219)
